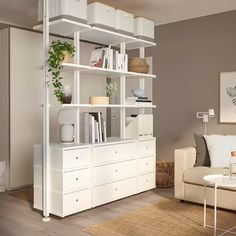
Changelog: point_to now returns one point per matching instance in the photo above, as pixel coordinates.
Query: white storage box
(101, 15)
(68, 9)
(124, 22)
(144, 28)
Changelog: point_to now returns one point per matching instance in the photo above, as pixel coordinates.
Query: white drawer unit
(76, 158)
(124, 22)
(109, 153)
(85, 176)
(146, 164)
(103, 174)
(146, 182)
(111, 192)
(69, 9)
(144, 28)
(101, 15)
(147, 147)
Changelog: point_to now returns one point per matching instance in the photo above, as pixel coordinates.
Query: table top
(221, 180)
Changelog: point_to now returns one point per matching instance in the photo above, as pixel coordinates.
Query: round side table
(217, 181)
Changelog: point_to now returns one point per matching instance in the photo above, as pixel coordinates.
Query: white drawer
(116, 171)
(146, 182)
(76, 179)
(75, 202)
(147, 147)
(147, 164)
(111, 192)
(76, 158)
(114, 152)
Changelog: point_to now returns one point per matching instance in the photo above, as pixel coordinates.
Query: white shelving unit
(138, 155)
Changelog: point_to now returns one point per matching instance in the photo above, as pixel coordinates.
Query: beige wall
(188, 59)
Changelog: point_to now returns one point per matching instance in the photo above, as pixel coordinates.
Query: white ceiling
(24, 12)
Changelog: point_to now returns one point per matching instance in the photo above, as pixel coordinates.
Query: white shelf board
(107, 37)
(64, 27)
(140, 43)
(102, 106)
(104, 72)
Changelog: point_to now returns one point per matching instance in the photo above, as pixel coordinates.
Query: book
(104, 131)
(92, 129)
(99, 127)
(97, 57)
(86, 127)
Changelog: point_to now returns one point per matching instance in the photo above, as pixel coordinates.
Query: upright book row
(109, 58)
(94, 127)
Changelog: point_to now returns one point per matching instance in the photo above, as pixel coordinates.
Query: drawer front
(111, 192)
(76, 179)
(75, 202)
(147, 164)
(147, 147)
(114, 152)
(76, 158)
(116, 171)
(146, 182)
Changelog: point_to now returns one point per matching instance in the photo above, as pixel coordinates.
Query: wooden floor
(17, 218)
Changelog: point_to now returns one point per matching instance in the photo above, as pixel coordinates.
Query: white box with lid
(144, 28)
(68, 9)
(101, 15)
(124, 22)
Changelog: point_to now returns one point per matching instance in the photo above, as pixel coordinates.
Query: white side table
(217, 181)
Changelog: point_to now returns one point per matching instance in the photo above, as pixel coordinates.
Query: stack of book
(109, 58)
(94, 127)
(138, 101)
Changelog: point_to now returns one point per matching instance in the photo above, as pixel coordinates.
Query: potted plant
(59, 52)
(110, 89)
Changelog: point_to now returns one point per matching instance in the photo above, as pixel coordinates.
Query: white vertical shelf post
(122, 97)
(77, 85)
(141, 80)
(45, 187)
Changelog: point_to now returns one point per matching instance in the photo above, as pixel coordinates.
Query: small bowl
(138, 92)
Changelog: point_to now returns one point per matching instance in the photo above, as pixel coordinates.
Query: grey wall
(188, 59)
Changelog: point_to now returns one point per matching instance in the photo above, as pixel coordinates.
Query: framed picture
(228, 97)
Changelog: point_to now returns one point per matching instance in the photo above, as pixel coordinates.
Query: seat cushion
(195, 175)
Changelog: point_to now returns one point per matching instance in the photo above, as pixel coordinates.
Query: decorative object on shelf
(205, 117)
(165, 174)
(67, 119)
(99, 100)
(111, 88)
(138, 65)
(67, 94)
(138, 92)
(58, 51)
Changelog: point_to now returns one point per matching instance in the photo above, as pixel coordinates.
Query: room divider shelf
(69, 67)
(94, 34)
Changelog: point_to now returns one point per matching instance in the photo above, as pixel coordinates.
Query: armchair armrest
(184, 158)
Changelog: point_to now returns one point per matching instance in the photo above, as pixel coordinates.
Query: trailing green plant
(57, 52)
(111, 88)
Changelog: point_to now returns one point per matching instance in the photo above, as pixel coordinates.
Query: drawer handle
(116, 189)
(116, 170)
(77, 200)
(147, 147)
(146, 180)
(77, 158)
(77, 179)
(116, 152)
(147, 164)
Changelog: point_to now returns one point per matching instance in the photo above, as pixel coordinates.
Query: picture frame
(228, 97)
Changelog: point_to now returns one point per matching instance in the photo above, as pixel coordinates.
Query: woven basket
(138, 65)
(165, 174)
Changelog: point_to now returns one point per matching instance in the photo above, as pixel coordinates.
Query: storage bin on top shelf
(68, 9)
(124, 22)
(101, 15)
(144, 28)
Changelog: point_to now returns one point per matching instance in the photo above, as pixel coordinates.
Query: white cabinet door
(147, 148)
(146, 182)
(147, 164)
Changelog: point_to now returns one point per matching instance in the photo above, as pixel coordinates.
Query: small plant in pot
(59, 52)
(111, 88)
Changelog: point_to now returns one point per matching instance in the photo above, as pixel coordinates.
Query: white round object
(220, 180)
(67, 133)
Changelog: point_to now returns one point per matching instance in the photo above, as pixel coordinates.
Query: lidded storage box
(101, 15)
(144, 28)
(124, 22)
(68, 9)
